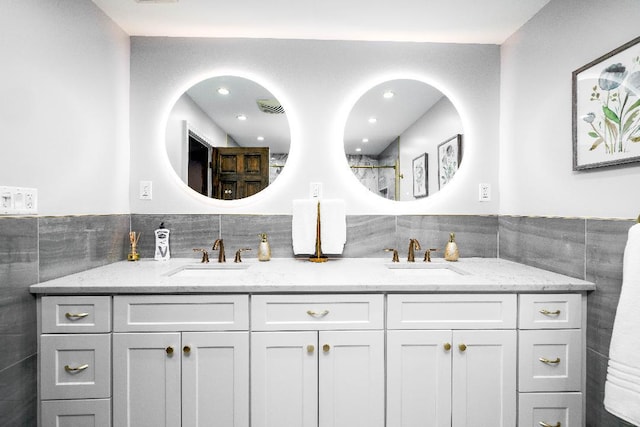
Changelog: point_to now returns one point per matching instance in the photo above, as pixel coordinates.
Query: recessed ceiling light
(223, 91)
(365, 140)
(241, 117)
(260, 138)
(372, 120)
(388, 94)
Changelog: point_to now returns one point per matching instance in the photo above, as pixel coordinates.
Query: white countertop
(299, 275)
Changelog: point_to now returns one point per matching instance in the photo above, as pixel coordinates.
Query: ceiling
(455, 21)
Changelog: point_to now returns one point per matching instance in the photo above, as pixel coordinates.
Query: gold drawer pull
(543, 424)
(447, 346)
(75, 316)
(316, 314)
(549, 313)
(548, 362)
(75, 370)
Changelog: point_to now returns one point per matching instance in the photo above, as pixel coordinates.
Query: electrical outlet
(484, 192)
(18, 201)
(146, 190)
(315, 190)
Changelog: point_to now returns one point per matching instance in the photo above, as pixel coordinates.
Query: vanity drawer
(75, 366)
(550, 360)
(443, 311)
(550, 409)
(90, 412)
(550, 311)
(168, 313)
(71, 314)
(317, 312)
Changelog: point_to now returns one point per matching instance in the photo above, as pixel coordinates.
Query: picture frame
(449, 159)
(420, 170)
(606, 109)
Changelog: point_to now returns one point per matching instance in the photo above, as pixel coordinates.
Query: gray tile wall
(37, 249)
(33, 250)
(587, 249)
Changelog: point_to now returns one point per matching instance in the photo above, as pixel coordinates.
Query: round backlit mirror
(227, 137)
(403, 140)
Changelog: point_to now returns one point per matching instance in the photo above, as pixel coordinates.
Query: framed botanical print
(449, 158)
(420, 168)
(606, 109)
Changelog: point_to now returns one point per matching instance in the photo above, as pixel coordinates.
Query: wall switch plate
(146, 190)
(315, 190)
(484, 192)
(18, 201)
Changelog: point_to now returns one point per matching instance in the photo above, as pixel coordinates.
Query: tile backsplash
(37, 249)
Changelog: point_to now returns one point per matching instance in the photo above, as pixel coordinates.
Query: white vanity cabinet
(75, 361)
(181, 360)
(451, 360)
(317, 360)
(551, 360)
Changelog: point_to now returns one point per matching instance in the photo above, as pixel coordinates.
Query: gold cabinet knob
(311, 348)
(186, 349)
(326, 348)
(447, 346)
(169, 350)
(462, 347)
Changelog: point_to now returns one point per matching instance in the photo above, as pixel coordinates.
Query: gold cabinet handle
(548, 362)
(186, 349)
(543, 424)
(317, 314)
(462, 347)
(310, 348)
(75, 316)
(75, 370)
(549, 313)
(447, 346)
(169, 350)
(326, 348)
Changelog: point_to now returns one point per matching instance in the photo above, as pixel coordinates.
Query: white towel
(333, 226)
(622, 387)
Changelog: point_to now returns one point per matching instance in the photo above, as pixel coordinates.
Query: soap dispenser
(451, 249)
(264, 250)
(162, 243)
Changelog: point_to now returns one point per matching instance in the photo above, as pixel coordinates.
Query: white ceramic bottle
(264, 250)
(162, 243)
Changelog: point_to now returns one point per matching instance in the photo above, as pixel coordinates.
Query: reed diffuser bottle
(451, 249)
(264, 250)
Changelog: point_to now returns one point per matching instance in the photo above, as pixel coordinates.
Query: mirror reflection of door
(198, 170)
(239, 171)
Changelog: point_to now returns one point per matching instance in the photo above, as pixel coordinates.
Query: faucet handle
(427, 254)
(205, 254)
(238, 252)
(395, 254)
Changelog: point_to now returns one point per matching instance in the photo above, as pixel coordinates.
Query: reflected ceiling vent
(270, 106)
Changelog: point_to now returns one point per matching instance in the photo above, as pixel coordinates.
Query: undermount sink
(209, 270)
(427, 268)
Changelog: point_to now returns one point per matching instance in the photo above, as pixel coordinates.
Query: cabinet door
(351, 378)
(146, 380)
(284, 379)
(215, 379)
(484, 378)
(419, 378)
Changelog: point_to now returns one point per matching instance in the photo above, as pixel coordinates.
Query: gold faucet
(238, 252)
(427, 254)
(218, 245)
(205, 254)
(395, 254)
(413, 246)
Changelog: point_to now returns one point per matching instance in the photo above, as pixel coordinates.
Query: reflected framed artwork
(449, 158)
(420, 168)
(606, 109)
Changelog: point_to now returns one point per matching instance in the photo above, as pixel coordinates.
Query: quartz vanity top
(291, 275)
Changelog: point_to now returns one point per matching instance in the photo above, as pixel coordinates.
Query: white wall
(317, 82)
(64, 106)
(536, 176)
